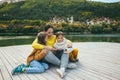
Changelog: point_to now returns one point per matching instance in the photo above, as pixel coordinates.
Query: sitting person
(34, 60)
(66, 46)
(63, 46)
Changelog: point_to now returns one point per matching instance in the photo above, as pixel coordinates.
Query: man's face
(60, 38)
(49, 32)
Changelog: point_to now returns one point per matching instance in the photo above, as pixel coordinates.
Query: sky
(107, 1)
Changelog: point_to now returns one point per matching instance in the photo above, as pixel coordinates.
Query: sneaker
(18, 69)
(60, 72)
(72, 65)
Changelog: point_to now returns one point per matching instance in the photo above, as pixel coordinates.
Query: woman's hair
(47, 27)
(59, 33)
(41, 38)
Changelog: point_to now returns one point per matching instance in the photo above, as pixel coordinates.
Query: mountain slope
(47, 9)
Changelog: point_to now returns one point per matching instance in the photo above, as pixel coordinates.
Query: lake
(21, 40)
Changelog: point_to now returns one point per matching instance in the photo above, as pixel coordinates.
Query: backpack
(73, 56)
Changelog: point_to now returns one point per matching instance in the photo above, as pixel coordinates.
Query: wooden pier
(97, 61)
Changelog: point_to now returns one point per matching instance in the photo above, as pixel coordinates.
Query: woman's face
(49, 32)
(60, 38)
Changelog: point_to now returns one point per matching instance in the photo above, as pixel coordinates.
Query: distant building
(57, 20)
(70, 20)
(99, 21)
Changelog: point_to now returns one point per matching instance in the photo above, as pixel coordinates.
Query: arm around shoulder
(36, 45)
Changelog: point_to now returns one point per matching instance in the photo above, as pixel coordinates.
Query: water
(21, 40)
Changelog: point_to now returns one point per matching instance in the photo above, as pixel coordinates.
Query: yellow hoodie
(50, 42)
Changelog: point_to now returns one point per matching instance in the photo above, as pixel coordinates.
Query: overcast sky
(108, 1)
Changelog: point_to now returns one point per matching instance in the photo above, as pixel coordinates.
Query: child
(35, 65)
(62, 43)
(63, 46)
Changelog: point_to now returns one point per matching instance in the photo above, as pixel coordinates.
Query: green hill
(47, 9)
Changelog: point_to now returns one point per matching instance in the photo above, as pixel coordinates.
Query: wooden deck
(98, 61)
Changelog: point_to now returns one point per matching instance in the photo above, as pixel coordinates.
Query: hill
(47, 9)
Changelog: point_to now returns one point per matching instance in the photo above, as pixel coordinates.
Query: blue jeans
(56, 59)
(37, 67)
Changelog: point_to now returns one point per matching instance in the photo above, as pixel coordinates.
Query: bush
(107, 30)
(2, 30)
(96, 29)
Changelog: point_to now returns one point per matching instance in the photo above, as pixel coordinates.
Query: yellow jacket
(50, 42)
(38, 52)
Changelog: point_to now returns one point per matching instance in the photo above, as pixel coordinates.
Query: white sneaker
(61, 72)
(72, 65)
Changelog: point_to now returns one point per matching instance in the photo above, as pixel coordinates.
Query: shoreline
(33, 34)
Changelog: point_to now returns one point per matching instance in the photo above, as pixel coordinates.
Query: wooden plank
(83, 75)
(8, 67)
(26, 76)
(98, 61)
(91, 75)
(7, 60)
(33, 77)
(53, 73)
(4, 72)
(39, 76)
(101, 66)
(1, 76)
(98, 74)
(48, 76)
(30, 76)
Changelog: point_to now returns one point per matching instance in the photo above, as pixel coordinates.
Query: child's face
(60, 38)
(46, 38)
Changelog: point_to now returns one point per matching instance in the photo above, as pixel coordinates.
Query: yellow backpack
(73, 56)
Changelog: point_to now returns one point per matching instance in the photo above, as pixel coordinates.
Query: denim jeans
(59, 59)
(37, 67)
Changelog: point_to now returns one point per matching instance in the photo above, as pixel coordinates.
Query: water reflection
(20, 40)
(94, 38)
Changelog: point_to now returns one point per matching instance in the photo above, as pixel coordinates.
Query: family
(49, 49)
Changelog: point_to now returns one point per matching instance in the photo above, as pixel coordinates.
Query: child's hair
(41, 38)
(59, 33)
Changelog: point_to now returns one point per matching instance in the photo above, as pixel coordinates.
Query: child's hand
(65, 50)
(69, 45)
(53, 49)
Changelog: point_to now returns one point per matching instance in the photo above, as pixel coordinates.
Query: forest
(31, 16)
